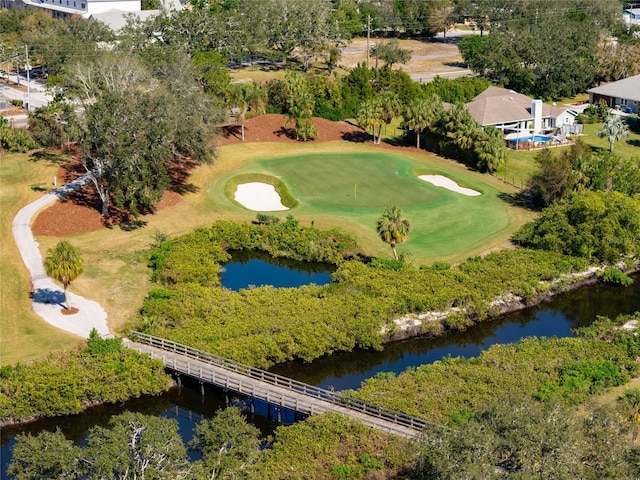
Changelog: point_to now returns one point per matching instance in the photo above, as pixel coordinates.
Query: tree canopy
(543, 48)
(138, 120)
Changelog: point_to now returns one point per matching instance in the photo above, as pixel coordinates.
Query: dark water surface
(249, 268)
(555, 318)
(347, 370)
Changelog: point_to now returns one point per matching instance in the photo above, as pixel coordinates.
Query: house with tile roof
(621, 95)
(513, 112)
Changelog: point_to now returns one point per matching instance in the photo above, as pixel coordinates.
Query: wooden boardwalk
(274, 389)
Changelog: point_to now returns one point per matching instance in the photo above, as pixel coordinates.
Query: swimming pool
(531, 138)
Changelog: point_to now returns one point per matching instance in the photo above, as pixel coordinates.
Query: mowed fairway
(350, 190)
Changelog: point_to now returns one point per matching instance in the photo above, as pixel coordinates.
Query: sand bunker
(259, 197)
(444, 182)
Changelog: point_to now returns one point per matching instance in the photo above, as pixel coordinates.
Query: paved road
(37, 94)
(48, 297)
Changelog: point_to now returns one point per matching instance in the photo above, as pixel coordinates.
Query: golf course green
(353, 190)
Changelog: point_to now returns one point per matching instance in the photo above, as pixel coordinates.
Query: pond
(250, 268)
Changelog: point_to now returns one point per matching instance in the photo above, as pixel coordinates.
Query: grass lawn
(24, 336)
(627, 147)
(446, 226)
(521, 164)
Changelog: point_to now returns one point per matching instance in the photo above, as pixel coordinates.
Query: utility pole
(368, 36)
(27, 67)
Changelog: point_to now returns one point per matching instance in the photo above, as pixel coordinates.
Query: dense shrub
(191, 258)
(97, 345)
(67, 383)
(266, 325)
(455, 90)
(615, 276)
(332, 446)
(265, 219)
(594, 113)
(600, 226)
(567, 369)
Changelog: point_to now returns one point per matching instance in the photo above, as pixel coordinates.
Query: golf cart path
(48, 297)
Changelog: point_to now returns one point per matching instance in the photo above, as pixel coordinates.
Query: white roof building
(113, 13)
(67, 8)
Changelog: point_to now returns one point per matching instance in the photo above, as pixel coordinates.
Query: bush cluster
(566, 370)
(67, 383)
(263, 326)
(603, 226)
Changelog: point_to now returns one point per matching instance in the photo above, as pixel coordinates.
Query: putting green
(353, 189)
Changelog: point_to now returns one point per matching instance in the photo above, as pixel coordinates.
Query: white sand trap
(444, 182)
(259, 197)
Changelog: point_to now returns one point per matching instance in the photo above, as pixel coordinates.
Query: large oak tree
(139, 119)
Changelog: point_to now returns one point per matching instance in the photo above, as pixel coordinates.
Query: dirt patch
(271, 128)
(429, 57)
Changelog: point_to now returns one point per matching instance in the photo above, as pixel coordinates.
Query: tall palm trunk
(67, 305)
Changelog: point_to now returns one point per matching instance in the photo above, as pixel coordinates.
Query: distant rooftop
(628, 88)
(499, 105)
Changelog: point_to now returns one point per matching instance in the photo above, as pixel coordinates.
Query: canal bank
(432, 323)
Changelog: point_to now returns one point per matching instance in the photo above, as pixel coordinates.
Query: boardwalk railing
(291, 385)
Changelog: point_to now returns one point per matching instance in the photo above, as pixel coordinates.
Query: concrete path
(48, 297)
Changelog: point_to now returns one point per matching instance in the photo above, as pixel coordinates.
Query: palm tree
(615, 129)
(248, 96)
(490, 148)
(391, 108)
(422, 114)
(370, 117)
(300, 103)
(393, 228)
(64, 264)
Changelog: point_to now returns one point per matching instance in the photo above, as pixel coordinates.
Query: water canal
(347, 370)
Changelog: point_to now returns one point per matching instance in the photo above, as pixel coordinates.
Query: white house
(514, 112)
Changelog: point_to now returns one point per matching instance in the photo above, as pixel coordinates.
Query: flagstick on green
(355, 191)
